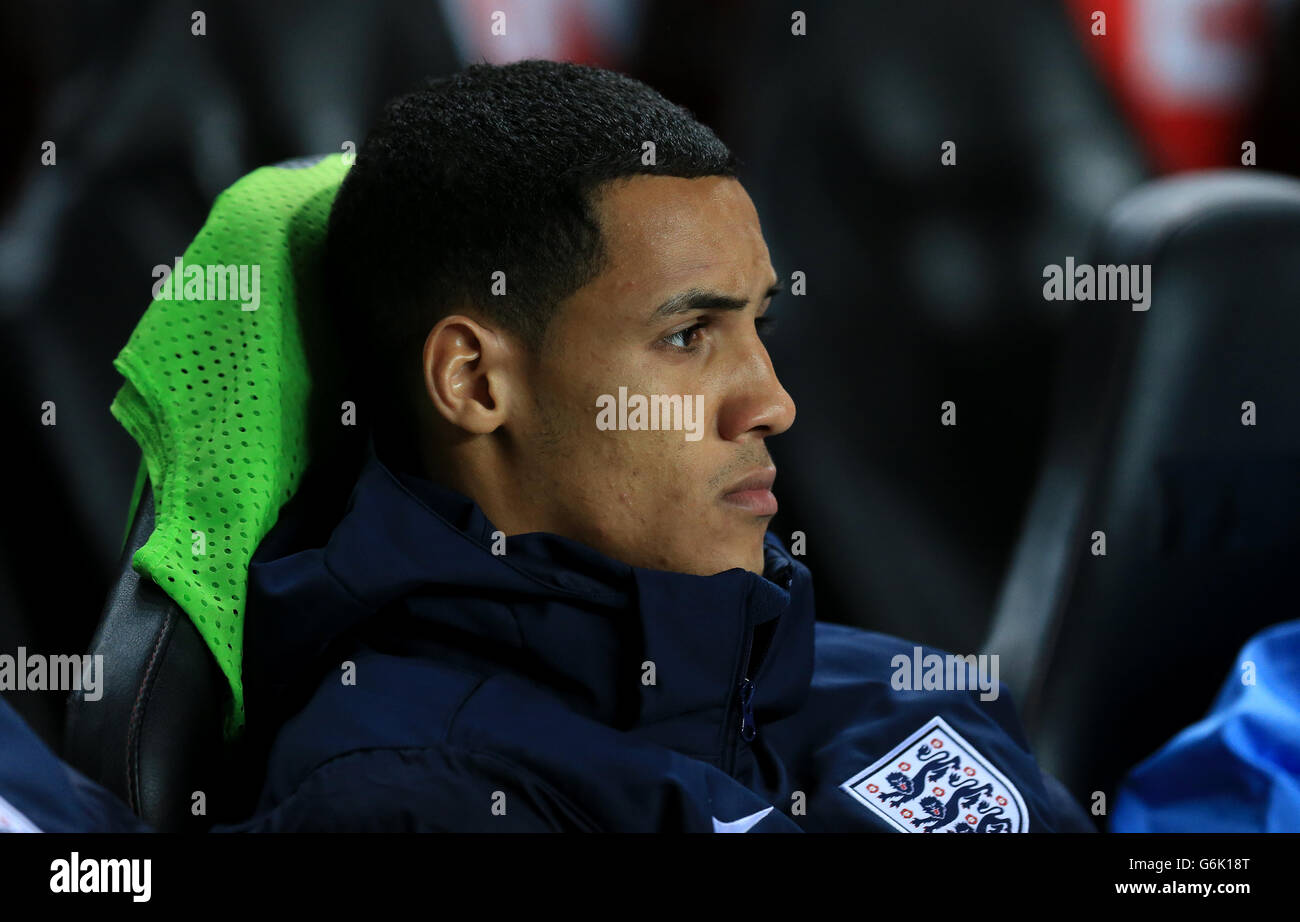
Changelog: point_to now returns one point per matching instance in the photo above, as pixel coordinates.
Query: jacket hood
(410, 568)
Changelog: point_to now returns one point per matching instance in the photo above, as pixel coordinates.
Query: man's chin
(750, 559)
(707, 555)
(714, 563)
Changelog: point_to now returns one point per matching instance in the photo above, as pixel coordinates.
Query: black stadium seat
(1110, 656)
(153, 738)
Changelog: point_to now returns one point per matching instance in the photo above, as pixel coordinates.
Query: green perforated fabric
(216, 396)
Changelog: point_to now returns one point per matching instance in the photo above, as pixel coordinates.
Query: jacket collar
(657, 652)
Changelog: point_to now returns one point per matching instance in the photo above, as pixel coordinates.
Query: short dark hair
(491, 168)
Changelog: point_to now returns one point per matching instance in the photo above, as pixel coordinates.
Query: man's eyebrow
(699, 299)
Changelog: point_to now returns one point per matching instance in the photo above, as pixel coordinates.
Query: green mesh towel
(217, 397)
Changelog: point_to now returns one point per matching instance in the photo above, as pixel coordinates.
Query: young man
(553, 603)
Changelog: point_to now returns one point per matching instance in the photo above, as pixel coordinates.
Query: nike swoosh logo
(744, 824)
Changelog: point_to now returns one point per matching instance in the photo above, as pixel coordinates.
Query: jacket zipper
(747, 729)
(747, 689)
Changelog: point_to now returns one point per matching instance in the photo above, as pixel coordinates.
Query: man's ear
(468, 373)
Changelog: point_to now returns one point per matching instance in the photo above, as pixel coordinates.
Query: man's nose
(760, 404)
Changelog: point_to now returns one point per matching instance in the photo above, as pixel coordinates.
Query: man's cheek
(645, 474)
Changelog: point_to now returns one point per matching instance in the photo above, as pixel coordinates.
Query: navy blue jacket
(430, 684)
(553, 688)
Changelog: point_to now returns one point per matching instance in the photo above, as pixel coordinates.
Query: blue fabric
(49, 794)
(509, 693)
(1237, 770)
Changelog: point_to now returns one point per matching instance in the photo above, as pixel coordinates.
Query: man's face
(673, 316)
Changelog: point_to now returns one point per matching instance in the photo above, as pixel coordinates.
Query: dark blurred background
(924, 280)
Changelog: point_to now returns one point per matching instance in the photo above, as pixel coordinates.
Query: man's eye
(684, 339)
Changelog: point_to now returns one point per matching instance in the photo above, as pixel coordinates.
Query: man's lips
(754, 493)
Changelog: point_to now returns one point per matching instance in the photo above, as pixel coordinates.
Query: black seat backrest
(1111, 655)
(153, 737)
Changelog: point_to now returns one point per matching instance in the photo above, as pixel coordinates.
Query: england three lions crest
(935, 781)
